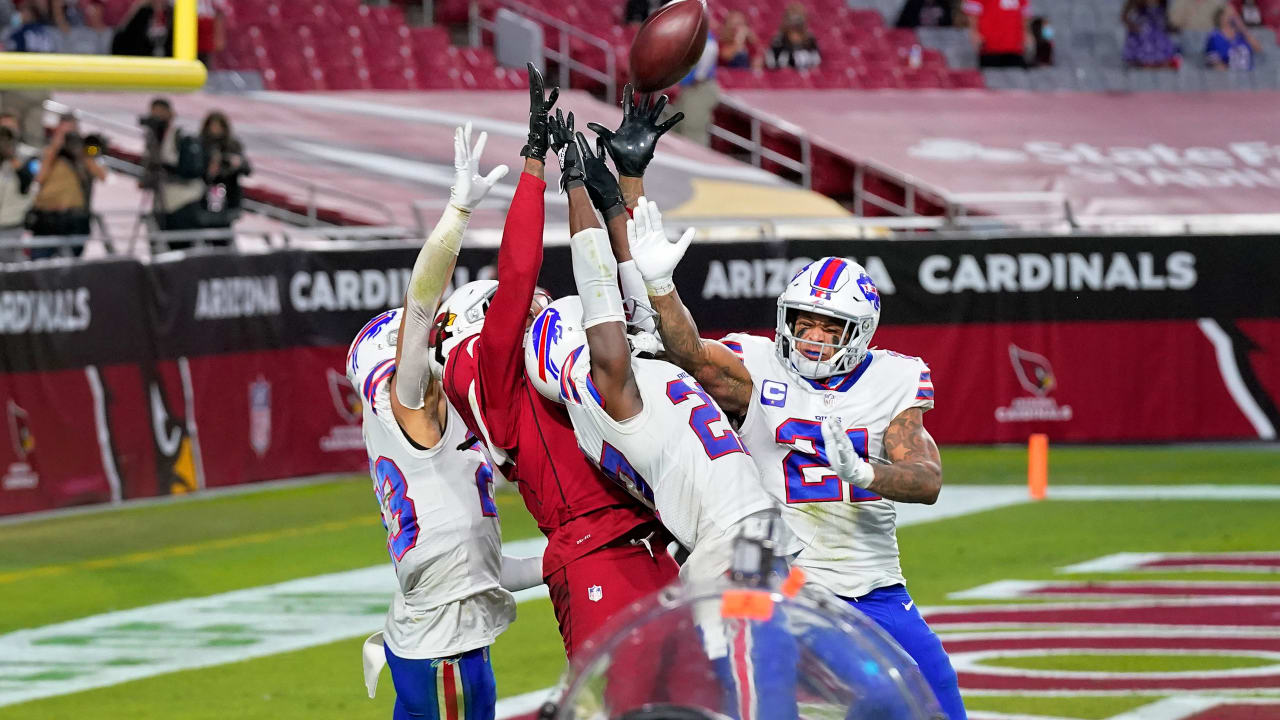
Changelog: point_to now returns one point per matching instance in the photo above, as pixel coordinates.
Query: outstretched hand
(469, 186)
(565, 146)
(540, 105)
(632, 145)
(655, 255)
(602, 186)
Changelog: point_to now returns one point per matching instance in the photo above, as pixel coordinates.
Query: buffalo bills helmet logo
(547, 331)
(869, 290)
(829, 278)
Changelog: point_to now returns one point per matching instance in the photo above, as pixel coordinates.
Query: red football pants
(590, 590)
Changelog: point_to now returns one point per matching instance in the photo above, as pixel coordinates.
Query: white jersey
(437, 506)
(849, 536)
(680, 455)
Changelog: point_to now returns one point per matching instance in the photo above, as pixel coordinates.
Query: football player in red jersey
(604, 549)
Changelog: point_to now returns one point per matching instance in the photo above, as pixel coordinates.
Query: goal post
(59, 71)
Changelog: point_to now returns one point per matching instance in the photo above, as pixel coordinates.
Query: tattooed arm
(915, 472)
(721, 373)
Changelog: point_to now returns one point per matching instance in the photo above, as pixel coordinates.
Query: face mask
(1047, 32)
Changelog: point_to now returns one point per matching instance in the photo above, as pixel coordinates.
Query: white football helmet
(460, 316)
(555, 342)
(838, 288)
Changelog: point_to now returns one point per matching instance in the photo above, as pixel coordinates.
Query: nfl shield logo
(260, 415)
(594, 593)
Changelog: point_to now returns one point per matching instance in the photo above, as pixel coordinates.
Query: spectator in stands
(211, 28)
(225, 165)
(926, 13)
(1041, 43)
(794, 46)
(1196, 15)
(35, 32)
(68, 170)
(147, 29)
(1230, 46)
(1251, 14)
(16, 180)
(636, 11)
(1149, 43)
(92, 36)
(998, 31)
(739, 46)
(699, 94)
(174, 169)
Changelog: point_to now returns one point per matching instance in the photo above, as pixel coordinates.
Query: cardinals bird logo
(23, 441)
(1034, 372)
(345, 399)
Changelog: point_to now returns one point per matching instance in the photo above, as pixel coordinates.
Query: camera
(156, 125)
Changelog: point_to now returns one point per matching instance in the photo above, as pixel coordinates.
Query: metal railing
(754, 145)
(310, 190)
(562, 53)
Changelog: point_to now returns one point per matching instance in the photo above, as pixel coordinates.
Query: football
(668, 44)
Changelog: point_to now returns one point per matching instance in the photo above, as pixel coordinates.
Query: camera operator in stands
(17, 176)
(68, 168)
(225, 165)
(173, 168)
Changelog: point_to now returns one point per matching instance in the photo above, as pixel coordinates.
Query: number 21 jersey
(850, 539)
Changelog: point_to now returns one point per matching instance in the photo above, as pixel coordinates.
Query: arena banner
(120, 379)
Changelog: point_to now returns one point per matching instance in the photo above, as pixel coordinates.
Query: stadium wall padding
(123, 379)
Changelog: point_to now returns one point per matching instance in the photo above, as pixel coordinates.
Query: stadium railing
(561, 52)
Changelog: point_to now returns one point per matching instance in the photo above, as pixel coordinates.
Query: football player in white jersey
(816, 405)
(435, 491)
(651, 427)
(646, 423)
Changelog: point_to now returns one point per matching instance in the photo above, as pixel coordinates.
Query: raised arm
(914, 472)
(434, 266)
(499, 350)
(720, 372)
(589, 185)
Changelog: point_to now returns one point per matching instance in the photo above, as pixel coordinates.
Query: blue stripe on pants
(894, 611)
(415, 682)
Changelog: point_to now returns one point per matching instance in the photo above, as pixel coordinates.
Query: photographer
(225, 165)
(16, 178)
(174, 169)
(68, 169)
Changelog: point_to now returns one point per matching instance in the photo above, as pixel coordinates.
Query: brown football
(668, 44)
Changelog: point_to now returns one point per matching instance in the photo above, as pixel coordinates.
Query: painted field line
(205, 494)
(186, 549)
(521, 705)
(1180, 707)
(127, 645)
(992, 715)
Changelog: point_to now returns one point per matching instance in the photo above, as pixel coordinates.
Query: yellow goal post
(180, 73)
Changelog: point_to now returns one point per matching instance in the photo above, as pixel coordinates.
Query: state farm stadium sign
(1248, 164)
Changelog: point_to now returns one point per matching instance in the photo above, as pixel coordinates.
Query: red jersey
(1000, 23)
(530, 438)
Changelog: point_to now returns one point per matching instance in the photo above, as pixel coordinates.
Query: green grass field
(60, 569)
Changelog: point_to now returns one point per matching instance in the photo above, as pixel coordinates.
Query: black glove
(602, 186)
(560, 131)
(631, 146)
(539, 106)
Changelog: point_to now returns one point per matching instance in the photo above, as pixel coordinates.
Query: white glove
(469, 188)
(843, 458)
(655, 256)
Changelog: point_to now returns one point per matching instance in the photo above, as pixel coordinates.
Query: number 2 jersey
(849, 534)
(437, 506)
(680, 454)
